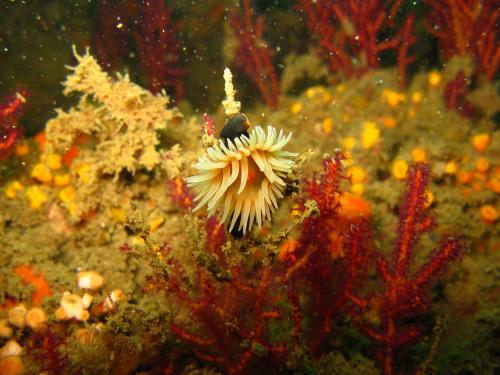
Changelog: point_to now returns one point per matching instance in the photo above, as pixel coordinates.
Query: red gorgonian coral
(405, 293)
(254, 55)
(351, 33)
(11, 109)
(467, 27)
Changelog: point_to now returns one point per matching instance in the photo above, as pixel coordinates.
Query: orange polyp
(353, 207)
(40, 138)
(69, 156)
(28, 277)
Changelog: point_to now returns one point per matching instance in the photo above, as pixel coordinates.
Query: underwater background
(249, 187)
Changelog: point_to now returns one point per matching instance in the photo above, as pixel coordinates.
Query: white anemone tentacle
(243, 178)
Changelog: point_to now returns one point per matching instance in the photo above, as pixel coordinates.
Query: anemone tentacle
(243, 178)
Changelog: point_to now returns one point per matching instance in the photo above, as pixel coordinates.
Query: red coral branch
(180, 194)
(349, 33)
(232, 315)
(11, 109)
(328, 275)
(254, 55)
(111, 36)
(455, 95)
(467, 27)
(158, 47)
(208, 125)
(405, 294)
(406, 40)
(154, 33)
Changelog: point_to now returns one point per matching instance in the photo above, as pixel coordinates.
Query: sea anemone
(243, 177)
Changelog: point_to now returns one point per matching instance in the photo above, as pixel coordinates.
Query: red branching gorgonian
(350, 33)
(455, 95)
(254, 54)
(149, 24)
(403, 293)
(467, 28)
(335, 258)
(232, 314)
(330, 259)
(180, 194)
(158, 47)
(11, 109)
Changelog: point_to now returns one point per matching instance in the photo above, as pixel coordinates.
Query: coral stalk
(331, 255)
(406, 294)
(159, 49)
(467, 27)
(348, 33)
(11, 109)
(254, 55)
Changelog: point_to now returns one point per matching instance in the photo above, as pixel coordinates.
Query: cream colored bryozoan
(243, 177)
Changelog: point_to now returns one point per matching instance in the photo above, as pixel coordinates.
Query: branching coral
(330, 258)
(465, 27)
(155, 35)
(254, 54)
(350, 33)
(159, 49)
(230, 304)
(404, 293)
(121, 118)
(11, 109)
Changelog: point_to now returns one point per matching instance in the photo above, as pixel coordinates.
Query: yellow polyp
(430, 198)
(358, 174)
(67, 194)
(358, 189)
(349, 143)
(41, 173)
(12, 189)
(61, 179)
(326, 98)
(340, 88)
(295, 211)
(118, 214)
(72, 208)
(481, 141)
(451, 167)
(370, 136)
(54, 161)
(327, 125)
(389, 122)
(296, 107)
(482, 165)
(393, 98)
(434, 78)
(417, 97)
(419, 155)
(22, 149)
(83, 173)
(157, 250)
(155, 223)
(310, 92)
(137, 240)
(400, 169)
(36, 196)
(412, 113)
